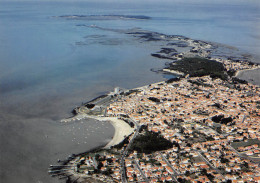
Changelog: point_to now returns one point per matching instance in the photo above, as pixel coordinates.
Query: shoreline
(173, 72)
(198, 49)
(250, 75)
(122, 129)
(241, 71)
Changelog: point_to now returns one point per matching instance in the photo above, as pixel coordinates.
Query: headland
(206, 118)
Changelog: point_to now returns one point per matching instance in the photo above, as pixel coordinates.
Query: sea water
(49, 65)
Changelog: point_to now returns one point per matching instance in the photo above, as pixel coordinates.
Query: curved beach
(122, 130)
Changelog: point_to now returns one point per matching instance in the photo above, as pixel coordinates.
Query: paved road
(168, 163)
(243, 156)
(238, 153)
(141, 171)
(123, 170)
(212, 166)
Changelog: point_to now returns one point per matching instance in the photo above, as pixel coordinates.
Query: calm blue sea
(49, 65)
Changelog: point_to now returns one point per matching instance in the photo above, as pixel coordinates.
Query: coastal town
(226, 147)
(201, 126)
(130, 91)
(212, 125)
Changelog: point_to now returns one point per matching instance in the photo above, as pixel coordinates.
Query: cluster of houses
(250, 150)
(103, 166)
(212, 124)
(183, 114)
(237, 66)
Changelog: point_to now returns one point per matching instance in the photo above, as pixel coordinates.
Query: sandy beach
(122, 129)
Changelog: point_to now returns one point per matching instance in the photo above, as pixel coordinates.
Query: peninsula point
(200, 126)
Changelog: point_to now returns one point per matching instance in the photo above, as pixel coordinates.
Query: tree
(203, 171)
(109, 160)
(150, 142)
(224, 160)
(97, 156)
(187, 173)
(100, 164)
(154, 99)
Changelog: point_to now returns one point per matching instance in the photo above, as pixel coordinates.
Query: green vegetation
(200, 82)
(149, 142)
(131, 91)
(172, 80)
(239, 81)
(154, 99)
(220, 119)
(197, 67)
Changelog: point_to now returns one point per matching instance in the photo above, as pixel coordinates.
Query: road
(168, 163)
(212, 166)
(123, 170)
(141, 171)
(233, 149)
(243, 156)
